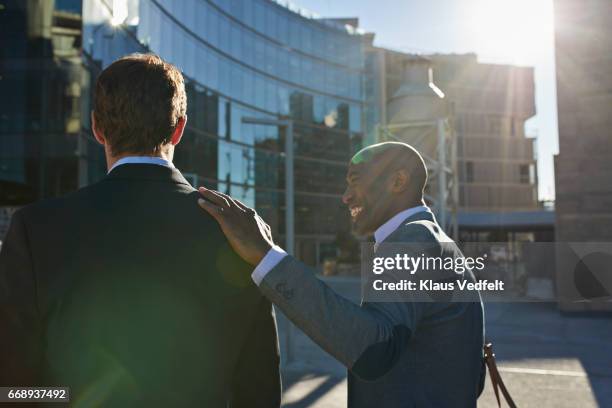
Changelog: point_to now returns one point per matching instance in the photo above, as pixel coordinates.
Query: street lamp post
(287, 124)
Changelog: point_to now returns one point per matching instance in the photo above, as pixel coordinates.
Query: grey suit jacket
(398, 354)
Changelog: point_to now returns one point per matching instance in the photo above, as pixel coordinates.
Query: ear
(97, 135)
(400, 181)
(178, 131)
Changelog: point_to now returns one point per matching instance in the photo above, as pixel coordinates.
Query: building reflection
(249, 58)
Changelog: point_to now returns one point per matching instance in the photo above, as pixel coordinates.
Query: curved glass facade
(41, 91)
(242, 59)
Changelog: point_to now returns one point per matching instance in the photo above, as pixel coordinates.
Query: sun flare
(514, 30)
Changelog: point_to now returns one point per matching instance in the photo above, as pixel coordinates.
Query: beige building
(489, 107)
(486, 106)
(583, 167)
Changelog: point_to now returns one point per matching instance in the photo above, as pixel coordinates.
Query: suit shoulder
(48, 205)
(419, 231)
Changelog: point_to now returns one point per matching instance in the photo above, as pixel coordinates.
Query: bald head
(394, 156)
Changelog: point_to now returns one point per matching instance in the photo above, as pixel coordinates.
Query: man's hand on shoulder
(245, 230)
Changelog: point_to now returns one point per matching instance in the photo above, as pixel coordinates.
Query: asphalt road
(546, 359)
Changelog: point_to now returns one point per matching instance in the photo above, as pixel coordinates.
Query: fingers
(215, 197)
(225, 200)
(243, 206)
(263, 223)
(212, 209)
(264, 227)
(220, 205)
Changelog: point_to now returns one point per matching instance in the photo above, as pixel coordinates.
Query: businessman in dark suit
(402, 351)
(103, 291)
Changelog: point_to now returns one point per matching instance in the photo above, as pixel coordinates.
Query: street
(546, 359)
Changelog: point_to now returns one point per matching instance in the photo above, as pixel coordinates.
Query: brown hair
(137, 104)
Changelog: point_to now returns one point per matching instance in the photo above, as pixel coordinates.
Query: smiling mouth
(355, 211)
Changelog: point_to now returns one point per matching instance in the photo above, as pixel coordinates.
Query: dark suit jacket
(127, 292)
(400, 353)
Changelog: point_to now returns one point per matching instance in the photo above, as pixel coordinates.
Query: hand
(246, 232)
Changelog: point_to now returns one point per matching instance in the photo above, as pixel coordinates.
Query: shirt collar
(142, 160)
(388, 227)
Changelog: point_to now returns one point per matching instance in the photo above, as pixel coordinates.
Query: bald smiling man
(400, 353)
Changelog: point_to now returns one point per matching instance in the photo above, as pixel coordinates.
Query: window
(223, 131)
(213, 28)
(307, 33)
(294, 34)
(494, 126)
(213, 71)
(236, 41)
(189, 57)
(270, 58)
(224, 35)
(460, 125)
(224, 76)
(271, 101)
(200, 72)
(249, 87)
(235, 81)
(248, 13)
(248, 48)
(524, 173)
(178, 41)
(355, 118)
(260, 54)
(260, 17)
(260, 92)
(271, 19)
(469, 172)
(283, 29)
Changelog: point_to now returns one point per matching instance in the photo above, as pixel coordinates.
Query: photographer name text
(431, 285)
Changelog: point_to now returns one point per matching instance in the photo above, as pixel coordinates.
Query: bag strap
(496, 380)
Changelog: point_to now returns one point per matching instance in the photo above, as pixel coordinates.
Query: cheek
(357, 194)
(371, 196)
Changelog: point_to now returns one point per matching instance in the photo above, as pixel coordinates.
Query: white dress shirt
(276, 253)
(394, 223)
(142, 160)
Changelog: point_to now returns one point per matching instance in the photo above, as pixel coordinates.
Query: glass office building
(241, 59)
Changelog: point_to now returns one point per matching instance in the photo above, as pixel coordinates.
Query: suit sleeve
(20, 327)
(256, 381)
(367, 339)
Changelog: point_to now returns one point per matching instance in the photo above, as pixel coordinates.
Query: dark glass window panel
(469, 172)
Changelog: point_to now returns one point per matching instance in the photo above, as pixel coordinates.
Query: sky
(518, 32)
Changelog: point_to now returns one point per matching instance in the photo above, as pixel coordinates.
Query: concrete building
(497, 161)
(489, 106)
(486, 106)
(583, 167)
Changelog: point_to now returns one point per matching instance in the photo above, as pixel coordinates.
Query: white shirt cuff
(272, 258)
